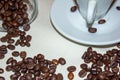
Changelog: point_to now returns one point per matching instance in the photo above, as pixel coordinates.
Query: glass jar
(32, 10)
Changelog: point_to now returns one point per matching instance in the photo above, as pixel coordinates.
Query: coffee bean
(23, 54)
(89, 76)
(3, 39)
(70, 76)
(54, 77)
(101, 21)
(82, 73)
(101, 76)
(1, 71)
(15, 53)
(26, 27)
(28, 38)
(10, 41)
(71, 69)
(106, 68)
(59, 76)
(2, 56)
(118, 45)
(115, 70)
(2, 78)
(55, 61)
(62, 61)
(84, 66)
(118, 7)
(11, 47)
(9, 68)
(92, 30)
(73, 8)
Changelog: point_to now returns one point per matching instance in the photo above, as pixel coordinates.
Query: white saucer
(72, 26)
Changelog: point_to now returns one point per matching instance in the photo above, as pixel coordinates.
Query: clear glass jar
(32, 10)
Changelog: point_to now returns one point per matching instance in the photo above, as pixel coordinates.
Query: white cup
(92, 10)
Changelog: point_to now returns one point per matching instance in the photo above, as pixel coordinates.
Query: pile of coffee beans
(101, 67)
(71, 69)
(14, 17)
(36, 68)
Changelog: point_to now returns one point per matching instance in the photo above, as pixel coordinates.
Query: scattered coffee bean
(62, 61)
(101, 21)
(118, 7)
(23, 54)
(71, 68)
(118, 45)
(59, 76)
(15, 53)
(2, 78)
(11, 47)
(101, 76)
(70, 76)
(84, 66)
(82, 73)
(55, 61)
(73, 8)
(92, 30)
(1, 71)
(2, 56)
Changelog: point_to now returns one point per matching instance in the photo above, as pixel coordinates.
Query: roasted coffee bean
(2, 56)
(22, 44)
(115, 70)
(101, 76)
(26, 27)
(15, 53)
(70, 76)
(2, 78)
(55, 61)
(3, 39)
(23, 54)
(62, 61)
(118, 45)
(54, 77)
(13, 77)
(9, 68)
(71, 69)
(92, 30)
(118, 7)
(11, 47)
(9, 60)
(10, 41)
(101, 21)
(89, 76)
(1, 70)
(84, 66)
(28, 38)
(27, 44)
(106, 68)
(82, 73)
(73, 8)
(84, 55)
(59, 76)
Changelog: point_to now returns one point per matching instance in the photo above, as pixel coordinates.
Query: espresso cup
(92, 10)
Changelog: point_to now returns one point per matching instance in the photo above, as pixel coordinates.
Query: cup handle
(91, 11)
